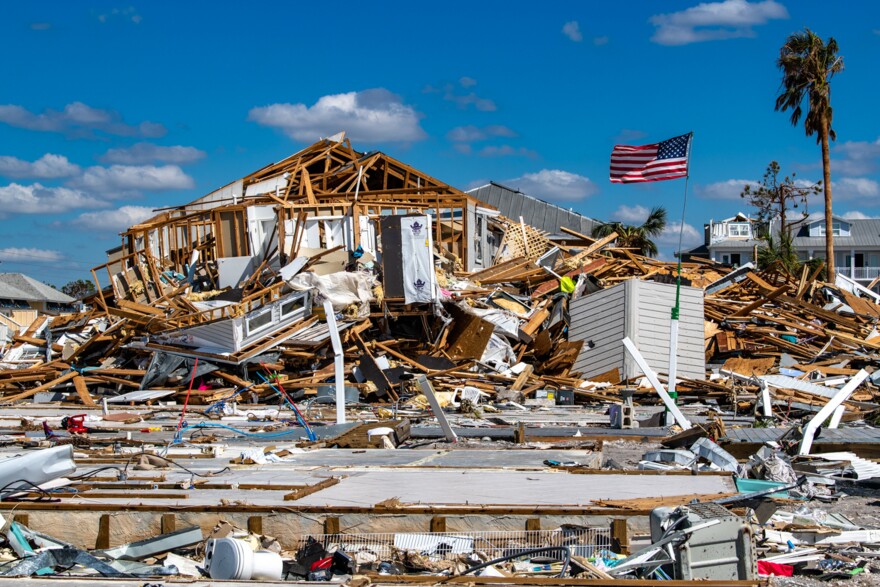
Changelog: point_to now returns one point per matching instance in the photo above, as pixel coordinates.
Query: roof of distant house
(18, 286)
(542, 215)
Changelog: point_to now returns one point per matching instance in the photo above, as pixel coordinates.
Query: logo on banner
(419, 284)
(416, 228)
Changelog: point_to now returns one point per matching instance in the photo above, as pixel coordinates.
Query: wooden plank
(45, 387)
(82, 390)
(522, 378)
(745, 311)
(310, 489)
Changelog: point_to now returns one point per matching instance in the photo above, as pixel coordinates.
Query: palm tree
(636, 237)
(807, 65)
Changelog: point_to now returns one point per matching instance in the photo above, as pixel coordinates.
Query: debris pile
(244, 351)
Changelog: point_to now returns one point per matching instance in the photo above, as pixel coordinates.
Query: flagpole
(676, 309)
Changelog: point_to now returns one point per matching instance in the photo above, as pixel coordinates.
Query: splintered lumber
(745, 311)
(45, 387)
(82, 391)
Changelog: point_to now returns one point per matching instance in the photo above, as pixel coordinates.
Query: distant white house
(733, 241)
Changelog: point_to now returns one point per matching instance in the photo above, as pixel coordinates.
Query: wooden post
(331, 526)
(619, 536)
(438, 524)
(255, 525)
(103, 540)
(168, 523)
(519, 433)
(533, 524)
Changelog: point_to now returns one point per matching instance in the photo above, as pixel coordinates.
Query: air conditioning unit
(723, 550)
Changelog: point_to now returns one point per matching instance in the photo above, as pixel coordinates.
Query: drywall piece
(827, 410)
(231, 270)
(291, 269)
(428, 390)
(641, 311)
(35, 468)
(338, 361)
(652, 378)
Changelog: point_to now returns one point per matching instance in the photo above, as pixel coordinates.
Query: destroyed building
(340, 366)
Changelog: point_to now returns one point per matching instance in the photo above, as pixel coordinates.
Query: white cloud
(630, 214)
(125, 180)
(369, 116)
(472, 134)
(725, 190)
(467, 82)
(48, 166)
(711, 21)
(599, 41)
(77, 120)
(507, 151)
(858, 157)
(114, 220)
(667, 241)
(572, 30)
(850, 188)
(856, 215)
(141, 153)
(554, 184)
(29, 255)
(37, 199)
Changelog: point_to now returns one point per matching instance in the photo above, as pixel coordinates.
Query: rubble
(306, 340)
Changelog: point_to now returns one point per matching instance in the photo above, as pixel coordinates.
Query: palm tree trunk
(826, 179)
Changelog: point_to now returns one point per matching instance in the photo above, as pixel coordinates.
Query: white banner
(417, 247)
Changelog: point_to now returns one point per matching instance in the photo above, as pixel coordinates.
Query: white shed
(640, 310)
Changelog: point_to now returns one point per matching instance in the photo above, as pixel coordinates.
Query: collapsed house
(204, 371)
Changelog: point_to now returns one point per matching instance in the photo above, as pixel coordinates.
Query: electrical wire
(6, 489)
(236, 430)
(170, 462)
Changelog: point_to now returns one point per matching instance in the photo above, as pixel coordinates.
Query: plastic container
(231, 559)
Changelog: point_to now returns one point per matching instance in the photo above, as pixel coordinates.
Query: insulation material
(419, 280)
(343, 289)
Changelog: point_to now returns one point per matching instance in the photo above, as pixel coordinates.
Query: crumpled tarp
(342, 288)
(61, 559)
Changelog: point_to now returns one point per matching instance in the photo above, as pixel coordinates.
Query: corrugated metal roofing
(538, 213)
(864, 468)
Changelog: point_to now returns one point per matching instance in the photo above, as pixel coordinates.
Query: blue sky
(109, 110)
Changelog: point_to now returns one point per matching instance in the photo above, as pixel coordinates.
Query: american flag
(656, 162)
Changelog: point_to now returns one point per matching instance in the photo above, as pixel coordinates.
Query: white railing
(582, 541)
(862, 273)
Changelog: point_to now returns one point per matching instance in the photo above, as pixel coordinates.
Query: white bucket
(231, 559)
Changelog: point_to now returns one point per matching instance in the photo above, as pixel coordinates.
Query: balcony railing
(859, 273)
